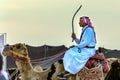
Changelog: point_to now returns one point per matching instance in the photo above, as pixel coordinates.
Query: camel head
(17, 51)
(114, 73)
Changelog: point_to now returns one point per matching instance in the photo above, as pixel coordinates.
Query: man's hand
(73, 36)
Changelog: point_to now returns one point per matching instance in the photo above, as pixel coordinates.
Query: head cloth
(87, 21)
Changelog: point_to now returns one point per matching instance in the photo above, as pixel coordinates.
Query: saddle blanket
(91, 74)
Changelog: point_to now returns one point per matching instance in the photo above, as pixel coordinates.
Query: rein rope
(48, 59)
(24, 59)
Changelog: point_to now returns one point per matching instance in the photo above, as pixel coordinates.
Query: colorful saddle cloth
(91, 74)
(94, 68)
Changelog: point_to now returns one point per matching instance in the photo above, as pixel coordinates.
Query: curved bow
(73, 19)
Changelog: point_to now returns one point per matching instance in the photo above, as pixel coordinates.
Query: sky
(40, 22)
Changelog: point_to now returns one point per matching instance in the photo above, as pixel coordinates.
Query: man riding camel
(76, 57)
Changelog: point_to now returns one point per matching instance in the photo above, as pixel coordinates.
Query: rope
(51, 58)
(47, 57)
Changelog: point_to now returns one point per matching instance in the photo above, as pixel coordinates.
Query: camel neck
(23, 67)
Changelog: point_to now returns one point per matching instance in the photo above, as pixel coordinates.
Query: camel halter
(19, 56)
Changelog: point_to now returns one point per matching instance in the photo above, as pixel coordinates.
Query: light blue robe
(75, 59)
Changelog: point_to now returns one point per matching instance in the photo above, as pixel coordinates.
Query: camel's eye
(18, 46)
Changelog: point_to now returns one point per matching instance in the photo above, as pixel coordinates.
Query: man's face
(81, 23)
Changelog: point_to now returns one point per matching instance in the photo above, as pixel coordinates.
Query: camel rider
(76, 57)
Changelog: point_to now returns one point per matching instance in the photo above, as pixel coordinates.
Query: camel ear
(60, 61)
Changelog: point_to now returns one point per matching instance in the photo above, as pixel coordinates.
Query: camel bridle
(19, 56)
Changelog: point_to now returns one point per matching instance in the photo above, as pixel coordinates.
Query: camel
(114, 73)
(101, 68)
(20, 54)
(81, 75)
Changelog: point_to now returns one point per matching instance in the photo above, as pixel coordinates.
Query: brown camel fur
(20, 54)
(60, 69)
(38, 68)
